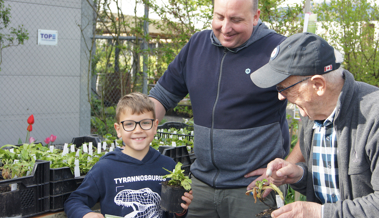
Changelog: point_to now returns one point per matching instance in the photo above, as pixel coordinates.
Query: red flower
(30, 128)
(47, 140)
(31, 120)
(53, 138)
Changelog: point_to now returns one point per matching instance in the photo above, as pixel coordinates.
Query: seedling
(260, 186)
(178, 178)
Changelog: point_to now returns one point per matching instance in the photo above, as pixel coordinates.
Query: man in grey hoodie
(238, 127)
(339, 138)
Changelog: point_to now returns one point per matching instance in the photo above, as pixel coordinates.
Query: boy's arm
(93, 215)
(82, 199)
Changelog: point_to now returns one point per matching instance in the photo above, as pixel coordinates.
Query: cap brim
(267, 76)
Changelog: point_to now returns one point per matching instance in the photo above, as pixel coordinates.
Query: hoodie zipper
(213, 113)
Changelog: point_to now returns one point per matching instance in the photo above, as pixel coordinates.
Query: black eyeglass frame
(281, 90)
(135, 124)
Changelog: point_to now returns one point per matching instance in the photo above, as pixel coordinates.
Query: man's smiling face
(233, 21)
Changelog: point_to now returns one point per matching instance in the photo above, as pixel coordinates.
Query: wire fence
(46, 80)
(72, 83)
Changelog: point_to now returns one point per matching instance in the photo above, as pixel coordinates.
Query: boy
(127, 182)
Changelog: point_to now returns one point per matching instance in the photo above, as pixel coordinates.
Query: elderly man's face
(300, 95)
(233, 21)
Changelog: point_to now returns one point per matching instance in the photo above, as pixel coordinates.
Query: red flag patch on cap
(328, 68)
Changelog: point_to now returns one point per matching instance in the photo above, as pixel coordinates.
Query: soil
(266, 213)
(5, 189)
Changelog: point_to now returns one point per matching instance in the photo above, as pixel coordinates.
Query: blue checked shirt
(325, 165)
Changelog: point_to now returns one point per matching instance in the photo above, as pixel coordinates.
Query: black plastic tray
(31, 196)
(179, 154)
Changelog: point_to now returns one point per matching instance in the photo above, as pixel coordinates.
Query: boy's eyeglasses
(130, 125)
(281, 89)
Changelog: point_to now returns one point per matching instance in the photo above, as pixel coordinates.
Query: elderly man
(340, 134)
(238, 127)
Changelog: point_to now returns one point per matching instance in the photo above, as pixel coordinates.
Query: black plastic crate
(31, 196)
(78, 141)
(179, 154)
(60, 174)
(57, 202)
(62, 184)
(176, 125)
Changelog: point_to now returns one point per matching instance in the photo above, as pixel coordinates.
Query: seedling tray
(31, 196)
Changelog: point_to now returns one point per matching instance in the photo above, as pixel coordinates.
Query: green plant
(285, 20)
(260, 186)
(10, 36)
(291, 196)
(21, 160)
(177, 177)
(352, 28)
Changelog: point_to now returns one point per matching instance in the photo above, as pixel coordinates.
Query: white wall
(47, 81)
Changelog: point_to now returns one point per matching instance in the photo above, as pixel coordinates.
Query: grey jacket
(357, 125)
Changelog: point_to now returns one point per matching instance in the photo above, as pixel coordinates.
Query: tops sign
(47, 37)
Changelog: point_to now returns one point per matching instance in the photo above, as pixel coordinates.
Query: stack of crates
(180, 153)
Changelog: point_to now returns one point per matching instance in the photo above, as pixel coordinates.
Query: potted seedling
(173, 189)
(257, 192)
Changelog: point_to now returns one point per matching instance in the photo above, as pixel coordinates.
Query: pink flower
(32, 140)
(53, 138)
(47, 140)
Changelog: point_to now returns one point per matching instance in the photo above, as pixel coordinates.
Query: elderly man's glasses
(130, 125)
(283, 91)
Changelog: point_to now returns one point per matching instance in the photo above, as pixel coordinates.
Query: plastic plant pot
(171, 198)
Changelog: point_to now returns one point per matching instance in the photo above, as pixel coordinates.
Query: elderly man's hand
(262, 173)
(284, 172)
(298, 209)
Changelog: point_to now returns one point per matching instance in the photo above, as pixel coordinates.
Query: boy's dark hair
(139, 103)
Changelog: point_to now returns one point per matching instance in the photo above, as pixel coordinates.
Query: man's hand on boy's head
(93, 215)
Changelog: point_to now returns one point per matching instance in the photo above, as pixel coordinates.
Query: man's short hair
(137, 102)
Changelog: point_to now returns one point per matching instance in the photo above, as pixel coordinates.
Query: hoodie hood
(259, 31)
(117, 155)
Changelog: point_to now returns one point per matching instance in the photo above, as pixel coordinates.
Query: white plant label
(173, 144)
(191, 132)
(72, 148)
(65, 149)
(76, 169)
(180, 138)
(51, 148)
(279, 201)
(104, 146)
(14, 186)
(85, 148)
(11, 150)
(99, 148)
(77, 153)
(90, 149)
(110, 149)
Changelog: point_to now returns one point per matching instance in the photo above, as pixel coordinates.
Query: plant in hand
(177, 177)
(257, 192)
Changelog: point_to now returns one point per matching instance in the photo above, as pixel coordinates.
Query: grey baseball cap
(302, 54)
